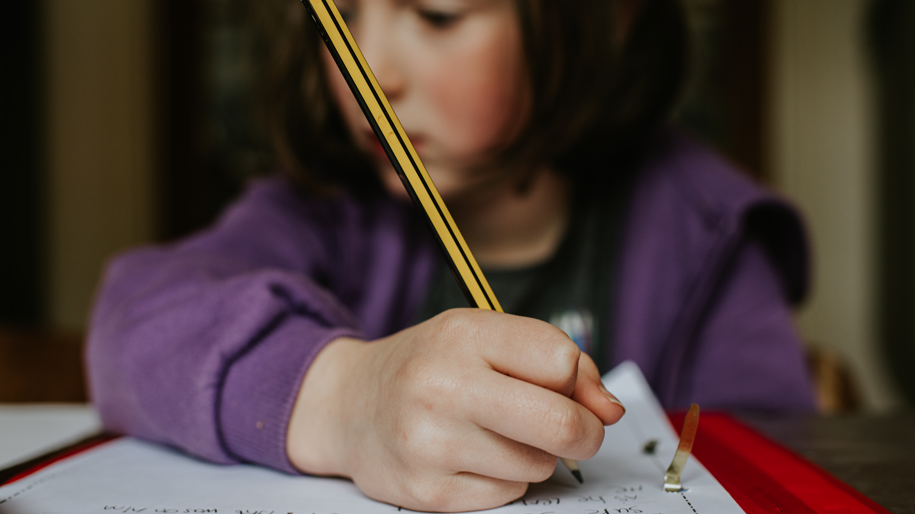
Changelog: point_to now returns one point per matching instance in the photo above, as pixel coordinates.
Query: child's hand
(458, 413)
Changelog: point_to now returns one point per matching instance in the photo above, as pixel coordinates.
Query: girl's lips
(377, 149)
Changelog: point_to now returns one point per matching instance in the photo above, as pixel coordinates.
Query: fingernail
(610, 396)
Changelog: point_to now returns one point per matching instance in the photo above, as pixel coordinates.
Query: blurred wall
(822, 156)
(100, 144)
(892, 42)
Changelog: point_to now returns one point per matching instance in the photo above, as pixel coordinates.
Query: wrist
(317, 434)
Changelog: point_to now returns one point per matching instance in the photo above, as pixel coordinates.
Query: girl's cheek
(479, 96)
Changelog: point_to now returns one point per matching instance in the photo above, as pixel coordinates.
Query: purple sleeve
(203, 345)
(747, 353)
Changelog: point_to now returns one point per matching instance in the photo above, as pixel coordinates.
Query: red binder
(765, 477)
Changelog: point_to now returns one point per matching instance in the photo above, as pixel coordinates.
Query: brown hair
(597, 95)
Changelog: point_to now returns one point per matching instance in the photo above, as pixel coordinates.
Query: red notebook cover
(765, 477)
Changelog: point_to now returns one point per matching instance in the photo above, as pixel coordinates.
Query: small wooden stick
(687, 437)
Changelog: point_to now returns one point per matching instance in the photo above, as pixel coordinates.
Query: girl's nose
(379, 49)
(389, 78)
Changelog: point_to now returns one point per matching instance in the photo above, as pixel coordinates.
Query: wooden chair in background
(836, 389)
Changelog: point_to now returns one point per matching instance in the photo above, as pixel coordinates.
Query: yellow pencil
(403, 157)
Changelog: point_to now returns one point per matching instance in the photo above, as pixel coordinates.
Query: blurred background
(127, 121)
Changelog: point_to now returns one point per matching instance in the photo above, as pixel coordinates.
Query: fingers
(527, 349)
(533, 416)
(538, 366)
(591, 393)
(493, 455)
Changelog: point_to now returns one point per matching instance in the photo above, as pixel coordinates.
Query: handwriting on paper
(617, 499)
(128, 509)
(167, 510)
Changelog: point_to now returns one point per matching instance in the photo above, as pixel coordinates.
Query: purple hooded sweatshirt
(203, 344)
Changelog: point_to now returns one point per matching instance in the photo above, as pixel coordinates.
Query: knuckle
(435, 450)
(418, 442)
(447, 319)
(458, 329)
(566, 355)
(428, 495)
(403, 439)
(438, 390)
(427, 381)
(567, 431)
(454, 321)
(593, 443)
(420, 376)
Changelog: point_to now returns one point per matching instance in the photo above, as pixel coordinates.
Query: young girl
(315, 329)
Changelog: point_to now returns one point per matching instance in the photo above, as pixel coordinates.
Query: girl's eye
(347, 11)
(439, 19)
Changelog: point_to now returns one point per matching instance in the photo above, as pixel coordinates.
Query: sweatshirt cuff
(261, 387)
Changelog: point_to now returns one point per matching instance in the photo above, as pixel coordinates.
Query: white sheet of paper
(130, 476)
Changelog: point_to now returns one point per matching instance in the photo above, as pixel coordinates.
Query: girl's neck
(508, 228)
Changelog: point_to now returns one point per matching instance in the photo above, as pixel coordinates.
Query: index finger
(534, 416)
(524, 348)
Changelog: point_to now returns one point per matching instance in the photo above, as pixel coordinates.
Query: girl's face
(453, 72)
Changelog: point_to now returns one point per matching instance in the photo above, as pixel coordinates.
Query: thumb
(590, 392)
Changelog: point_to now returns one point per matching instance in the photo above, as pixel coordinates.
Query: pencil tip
(577, 475)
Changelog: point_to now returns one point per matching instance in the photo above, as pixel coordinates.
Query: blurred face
(453, 72)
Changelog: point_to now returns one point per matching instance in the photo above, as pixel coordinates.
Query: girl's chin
(450, 187)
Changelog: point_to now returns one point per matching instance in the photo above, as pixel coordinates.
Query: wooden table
(875, 454)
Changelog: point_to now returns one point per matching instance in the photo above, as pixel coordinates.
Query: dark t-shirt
(571, 290)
